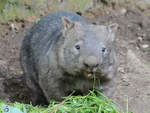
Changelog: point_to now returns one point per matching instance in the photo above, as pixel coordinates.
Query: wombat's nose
(91, 61)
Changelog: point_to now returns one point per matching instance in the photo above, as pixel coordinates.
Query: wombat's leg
(57, 92)
(37, 95)
(31, 74)
(31, 80)
(39, 99)
(107, 89)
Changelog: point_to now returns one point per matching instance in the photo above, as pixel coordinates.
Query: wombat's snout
(91, 62)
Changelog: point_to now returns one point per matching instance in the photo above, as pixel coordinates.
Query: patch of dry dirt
(133, 49)
(12, 87)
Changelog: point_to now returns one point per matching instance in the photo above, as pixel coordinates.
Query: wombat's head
(87, 50)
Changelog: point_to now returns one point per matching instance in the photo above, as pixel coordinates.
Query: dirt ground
(133, 49)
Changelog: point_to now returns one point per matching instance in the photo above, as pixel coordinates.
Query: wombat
(62, 53)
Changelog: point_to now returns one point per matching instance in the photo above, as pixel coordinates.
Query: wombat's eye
(103, 49)
(77, 47)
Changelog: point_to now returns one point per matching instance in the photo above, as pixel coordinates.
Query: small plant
(90, 103)
(11, 10)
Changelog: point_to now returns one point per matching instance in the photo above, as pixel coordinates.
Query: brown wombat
(62, 54)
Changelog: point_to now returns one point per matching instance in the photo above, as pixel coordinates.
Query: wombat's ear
(112, 29)
(67, 23)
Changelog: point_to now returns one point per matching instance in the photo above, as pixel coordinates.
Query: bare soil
(133, 49)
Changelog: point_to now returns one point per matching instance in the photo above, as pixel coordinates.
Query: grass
(11, 10)
(72, 104)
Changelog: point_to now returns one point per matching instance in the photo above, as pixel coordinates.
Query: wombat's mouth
(93, 74)
(90, 73)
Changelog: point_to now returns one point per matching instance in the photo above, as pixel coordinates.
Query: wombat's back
(43, 36)
(48, 30)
